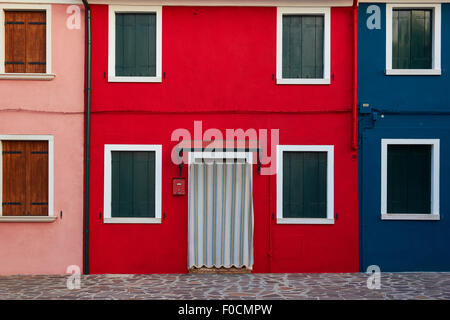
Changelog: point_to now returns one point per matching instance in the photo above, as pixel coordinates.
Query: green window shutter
(411, 39)
(292, 46)
(319, 46)
(303, 45)
(304, 184)
(409, 179)
(144, 184)
(133, 184)
(403, 49)
(421, 39)
(135, 44)
(395, 42)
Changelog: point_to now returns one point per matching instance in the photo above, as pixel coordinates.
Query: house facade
(404, 134)
(41, 136)
(223, 135)
(271, 136)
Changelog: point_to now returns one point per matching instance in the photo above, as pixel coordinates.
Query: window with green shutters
(304, 184)
(303, 46)
(409, 178)
(133, 184)
(135, 53)
(412, 38)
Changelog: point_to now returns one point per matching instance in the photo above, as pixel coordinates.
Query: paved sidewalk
(229, 286)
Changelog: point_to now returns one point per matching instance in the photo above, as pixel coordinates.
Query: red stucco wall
(219, 63)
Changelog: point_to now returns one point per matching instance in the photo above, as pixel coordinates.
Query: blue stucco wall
(401, 107)
(399, 92)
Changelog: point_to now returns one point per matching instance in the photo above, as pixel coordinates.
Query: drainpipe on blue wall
(87, 145)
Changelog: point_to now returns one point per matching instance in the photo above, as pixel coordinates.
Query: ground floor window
(27, 177)
(132, 184)
(305, 184)
(410, 179)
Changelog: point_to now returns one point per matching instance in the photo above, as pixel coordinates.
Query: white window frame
(27, 76)
(113, 9)
(157, 148)
(326, 12)
(51, 215)
(329, 149)
(434, 206)
(436, 52)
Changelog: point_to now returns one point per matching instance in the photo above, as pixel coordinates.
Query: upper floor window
(26, 49)
(303, 45)
(413, 39)
(135, 44)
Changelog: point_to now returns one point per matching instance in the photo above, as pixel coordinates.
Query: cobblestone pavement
(229, 286)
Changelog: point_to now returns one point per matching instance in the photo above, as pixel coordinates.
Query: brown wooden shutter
(15, 23)
(14, 178)
(25, 41)
(37, 169)
(36, 42)
(25, 178)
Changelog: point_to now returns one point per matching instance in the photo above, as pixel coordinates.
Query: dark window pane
(303, 43)
(411, 39)
(135, 44)
(304, 184)
(409, 179)
(133, 184)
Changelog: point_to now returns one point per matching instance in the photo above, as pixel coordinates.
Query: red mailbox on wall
(179, 186)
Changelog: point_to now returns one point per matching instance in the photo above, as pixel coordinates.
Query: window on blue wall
(409, 178)
(412, 39)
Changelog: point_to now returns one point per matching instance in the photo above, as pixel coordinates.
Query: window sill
(134, 79)
(406, 216)
(304, 221)
(27, 76)
(304, 81)
(133, 220)
(413, 72)
(27, 218)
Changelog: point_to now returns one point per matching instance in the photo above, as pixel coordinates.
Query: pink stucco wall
(52, 108)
